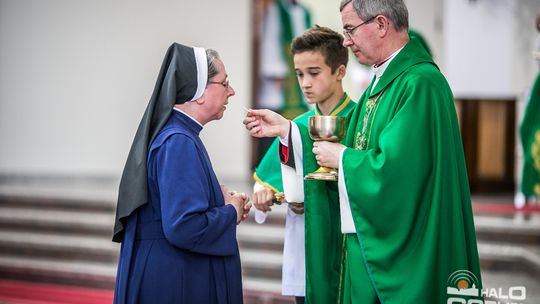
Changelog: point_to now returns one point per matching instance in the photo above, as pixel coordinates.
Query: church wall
(76, 77)
(489, 47)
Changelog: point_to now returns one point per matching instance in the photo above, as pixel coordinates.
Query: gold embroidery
(535, 153)
(362, 138)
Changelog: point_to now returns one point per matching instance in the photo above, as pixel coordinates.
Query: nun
(176, 223)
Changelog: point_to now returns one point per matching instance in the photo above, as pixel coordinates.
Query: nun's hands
(266, 123)
(240, 202)
(246, 209)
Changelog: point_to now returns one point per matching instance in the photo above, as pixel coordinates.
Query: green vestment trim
(529, 132)
(324, 241)
(408, 187)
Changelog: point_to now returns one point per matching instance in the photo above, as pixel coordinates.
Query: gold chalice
(328, 128)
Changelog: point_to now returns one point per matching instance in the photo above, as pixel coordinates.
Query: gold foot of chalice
(328, 128)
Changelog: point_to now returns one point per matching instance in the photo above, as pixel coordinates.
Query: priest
(403, 192)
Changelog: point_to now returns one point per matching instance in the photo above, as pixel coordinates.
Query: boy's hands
(262, 199)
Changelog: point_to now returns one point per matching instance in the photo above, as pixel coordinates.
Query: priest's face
(217, 93)
(315, 77)
(360, 35)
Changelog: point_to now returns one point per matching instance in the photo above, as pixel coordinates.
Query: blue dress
(180, 247)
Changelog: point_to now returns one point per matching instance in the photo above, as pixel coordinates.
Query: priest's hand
(327, 153)
(266, 123)
(262, 199)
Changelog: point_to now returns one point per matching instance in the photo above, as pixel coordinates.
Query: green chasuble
(416, 35)
(407, 185)
(530, 139)
(323, 238)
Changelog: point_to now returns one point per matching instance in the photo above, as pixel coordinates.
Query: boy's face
(315, 77)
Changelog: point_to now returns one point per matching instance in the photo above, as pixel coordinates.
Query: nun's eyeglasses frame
(224, 83)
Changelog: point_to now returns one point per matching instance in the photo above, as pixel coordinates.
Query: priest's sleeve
(292, 170)
(190, 220)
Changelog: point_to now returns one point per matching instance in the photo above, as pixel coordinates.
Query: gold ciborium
(328, 128)
(279, 198)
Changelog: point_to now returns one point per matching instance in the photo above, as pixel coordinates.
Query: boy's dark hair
(324, 40)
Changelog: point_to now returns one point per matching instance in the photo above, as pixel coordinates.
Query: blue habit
(180, 247)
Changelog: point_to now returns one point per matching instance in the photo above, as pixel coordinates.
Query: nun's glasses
(224, 83)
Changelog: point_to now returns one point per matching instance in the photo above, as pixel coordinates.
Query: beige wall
(76, 76)
(489, 47)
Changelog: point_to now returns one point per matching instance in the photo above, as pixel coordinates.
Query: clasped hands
(240, 202)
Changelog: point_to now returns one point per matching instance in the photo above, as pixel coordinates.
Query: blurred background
(75, 78)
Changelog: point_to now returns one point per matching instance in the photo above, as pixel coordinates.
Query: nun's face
(217, 93)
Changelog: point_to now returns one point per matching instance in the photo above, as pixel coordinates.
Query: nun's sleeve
(184, 192)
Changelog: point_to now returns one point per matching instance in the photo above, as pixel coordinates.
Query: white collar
(176, 109)
(379, 70)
